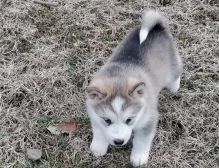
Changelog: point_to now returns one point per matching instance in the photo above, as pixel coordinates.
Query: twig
(46, 3)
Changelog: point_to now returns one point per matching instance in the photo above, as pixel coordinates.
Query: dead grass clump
(48, 54)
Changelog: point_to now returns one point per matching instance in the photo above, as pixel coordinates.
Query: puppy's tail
(151, 19)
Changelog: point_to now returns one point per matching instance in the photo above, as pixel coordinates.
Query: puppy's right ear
(95, 94)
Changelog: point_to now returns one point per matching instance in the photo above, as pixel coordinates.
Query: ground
(48, 54)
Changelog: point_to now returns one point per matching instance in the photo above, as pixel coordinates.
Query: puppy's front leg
(141, 145)
(99, 144)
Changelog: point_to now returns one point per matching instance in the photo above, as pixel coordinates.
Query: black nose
(118, 141)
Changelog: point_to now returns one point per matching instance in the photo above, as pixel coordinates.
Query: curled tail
(150, 20)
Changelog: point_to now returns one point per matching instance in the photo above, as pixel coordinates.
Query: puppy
(122, 97)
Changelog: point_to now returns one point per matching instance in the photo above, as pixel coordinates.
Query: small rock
(34, 154)
(54, 130)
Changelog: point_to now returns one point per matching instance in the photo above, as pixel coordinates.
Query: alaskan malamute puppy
(122, 97)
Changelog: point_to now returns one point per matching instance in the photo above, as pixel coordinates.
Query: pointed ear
(97, 90)
(137, 90)
(95, 94)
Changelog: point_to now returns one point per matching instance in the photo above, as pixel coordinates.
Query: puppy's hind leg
(99, 144)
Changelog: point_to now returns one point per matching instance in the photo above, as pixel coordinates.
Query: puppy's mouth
(118, 146)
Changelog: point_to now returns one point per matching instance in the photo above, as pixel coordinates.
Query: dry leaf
(34, 154)
(54, 130)
(68, 127)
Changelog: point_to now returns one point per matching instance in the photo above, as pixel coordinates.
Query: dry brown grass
(48, 54)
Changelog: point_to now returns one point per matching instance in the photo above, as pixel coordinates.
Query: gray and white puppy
(122, 97)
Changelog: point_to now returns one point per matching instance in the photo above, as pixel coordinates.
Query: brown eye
(128, 121)
(108, 121)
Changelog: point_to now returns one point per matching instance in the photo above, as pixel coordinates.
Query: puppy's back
(133, 47)
(149, 46)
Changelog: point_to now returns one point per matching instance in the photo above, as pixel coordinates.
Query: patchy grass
(47, 55)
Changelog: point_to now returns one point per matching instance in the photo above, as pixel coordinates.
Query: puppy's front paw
(138, 159)
(98, 149)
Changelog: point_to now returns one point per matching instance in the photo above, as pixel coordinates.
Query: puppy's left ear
(137, 90)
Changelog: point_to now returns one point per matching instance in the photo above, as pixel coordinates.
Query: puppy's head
(116, 105)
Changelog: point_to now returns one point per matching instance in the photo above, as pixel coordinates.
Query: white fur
(99, 144)
(150, 18)
(117, 130)
(174, 86)
(117, 104)
(141, 148)
(143, 35)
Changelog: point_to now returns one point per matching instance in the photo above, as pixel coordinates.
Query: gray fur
(156, 56)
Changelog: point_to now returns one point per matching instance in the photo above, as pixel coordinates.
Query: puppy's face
(117, 107)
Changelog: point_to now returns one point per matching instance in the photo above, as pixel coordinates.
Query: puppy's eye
(108, 121)
(128, 121)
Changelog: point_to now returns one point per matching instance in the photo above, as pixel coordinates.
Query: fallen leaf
(54, 130)
(34, 154)
(68, 127)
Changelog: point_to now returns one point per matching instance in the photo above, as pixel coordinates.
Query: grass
(47, 55)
